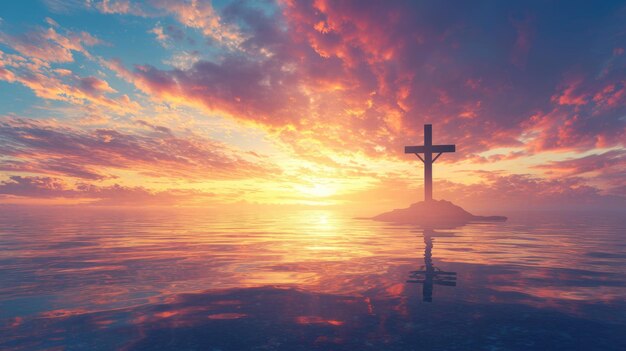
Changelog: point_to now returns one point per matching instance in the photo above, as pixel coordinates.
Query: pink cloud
(49, 45)
(592, 163)
(35, 147)
(47, 188)
(515, 191)
(571, 94)
(611, 96)
(603, 169)
(249, 90)
(367, 76)
(94, 86)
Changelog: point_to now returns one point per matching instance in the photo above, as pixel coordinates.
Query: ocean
(188, 279)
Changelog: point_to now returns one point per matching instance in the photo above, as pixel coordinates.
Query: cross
(428, 149)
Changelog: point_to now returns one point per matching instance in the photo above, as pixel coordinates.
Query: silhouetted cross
(428, 149)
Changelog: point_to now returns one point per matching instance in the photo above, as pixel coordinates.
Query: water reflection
(181, 280)
(274, 318)
(428, 275)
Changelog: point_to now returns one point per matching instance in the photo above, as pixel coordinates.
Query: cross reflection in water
(428, 275)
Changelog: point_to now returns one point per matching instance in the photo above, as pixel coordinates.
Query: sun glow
(317, 190)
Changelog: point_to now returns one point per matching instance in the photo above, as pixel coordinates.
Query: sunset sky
(310, 103)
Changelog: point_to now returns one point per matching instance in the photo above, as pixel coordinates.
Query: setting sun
(317, 190)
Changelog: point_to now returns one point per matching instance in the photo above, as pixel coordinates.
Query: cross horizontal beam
(424, 149)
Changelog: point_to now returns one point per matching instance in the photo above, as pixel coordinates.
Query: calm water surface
(104, 279)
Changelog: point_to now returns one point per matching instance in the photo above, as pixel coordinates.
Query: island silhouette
(431, 212)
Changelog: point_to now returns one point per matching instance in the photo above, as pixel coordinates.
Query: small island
(433, 212)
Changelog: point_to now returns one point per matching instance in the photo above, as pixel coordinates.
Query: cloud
(366, 76)
(592, 163)
(160, 35)
(120, 7)
(167, 35)
(201, 15)
(36, 147)
(245, 89)
(37, 187)
(522, 191)
(94, 86)
(183, 60)
(55, 166)
(109, 6)
(44, 63)
(607, 169)
(62, 84)
(49, 45)
(49, 188)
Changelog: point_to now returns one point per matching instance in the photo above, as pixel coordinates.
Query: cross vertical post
(428, 149)
(428, 162)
